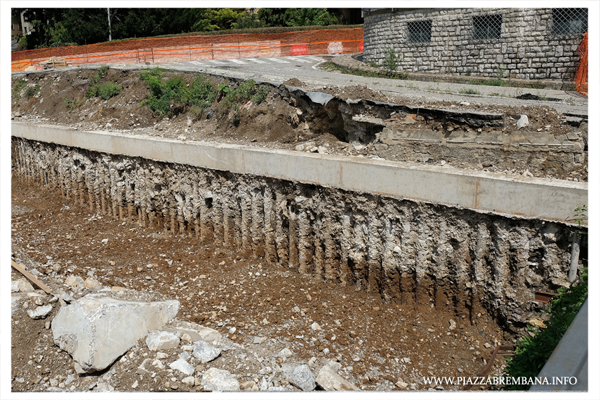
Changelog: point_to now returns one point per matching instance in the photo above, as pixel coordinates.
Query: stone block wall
(527, 47)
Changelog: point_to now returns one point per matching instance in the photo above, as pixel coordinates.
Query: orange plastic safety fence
(189, 48)
(581, 77)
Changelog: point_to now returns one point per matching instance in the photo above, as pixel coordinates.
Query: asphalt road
(306, 69)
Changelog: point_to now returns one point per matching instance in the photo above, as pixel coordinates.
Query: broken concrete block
(37, 298)
(183, 366)
(21, 285)
(303, 378)
(40, 312)
(205, 352)
(219, 380)
(194, 331)
(96, 330)
(329, 380)
(522, 122)
(162, 340)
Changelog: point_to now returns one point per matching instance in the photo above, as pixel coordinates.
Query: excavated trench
(405, 251)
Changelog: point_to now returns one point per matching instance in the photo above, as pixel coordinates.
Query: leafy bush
(296, 17)
(533, 352)
(245, 91)
(200, 93)
(101, 85)
(108, 90)
(242, 94)
(261, 94)
(102, 71)
(31, 91)
(391, 60)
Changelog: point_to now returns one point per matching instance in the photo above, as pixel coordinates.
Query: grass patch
(535, 85)
(468, 91)
(17, 87)
(532, 353)
(330, 66)
(73, 103)
(491, 82)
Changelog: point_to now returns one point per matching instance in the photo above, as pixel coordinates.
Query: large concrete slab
(96, 330)
(486, 192)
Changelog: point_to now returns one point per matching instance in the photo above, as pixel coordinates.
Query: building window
(569, 21)
(487, 26)
(419, 31)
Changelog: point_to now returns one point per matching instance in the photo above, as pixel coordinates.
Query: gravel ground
(373, 344)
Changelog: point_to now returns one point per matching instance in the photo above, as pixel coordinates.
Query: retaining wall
(416, 252)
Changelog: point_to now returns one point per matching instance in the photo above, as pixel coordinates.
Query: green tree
(296, 17)
(216, 19)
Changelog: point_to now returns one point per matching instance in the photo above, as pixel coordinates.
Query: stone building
(528, 43)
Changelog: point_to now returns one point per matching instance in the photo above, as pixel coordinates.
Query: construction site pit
(385, 291)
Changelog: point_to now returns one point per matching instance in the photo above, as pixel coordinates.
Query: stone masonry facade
(518, 43)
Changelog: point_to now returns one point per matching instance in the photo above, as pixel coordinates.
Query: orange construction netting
(581, 77)
(201, 47)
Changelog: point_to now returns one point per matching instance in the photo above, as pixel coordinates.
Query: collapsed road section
(516, 140)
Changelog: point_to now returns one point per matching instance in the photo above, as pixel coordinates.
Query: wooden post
(31, 277)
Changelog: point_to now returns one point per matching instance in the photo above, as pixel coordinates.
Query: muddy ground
(277, 122)
(377, 344)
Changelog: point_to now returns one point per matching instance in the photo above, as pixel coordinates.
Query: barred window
(569, 21)
(419, 31)
(487, 26)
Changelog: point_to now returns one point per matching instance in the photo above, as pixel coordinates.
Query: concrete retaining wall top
(485, 192)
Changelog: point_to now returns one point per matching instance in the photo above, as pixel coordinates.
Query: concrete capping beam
(485, 192)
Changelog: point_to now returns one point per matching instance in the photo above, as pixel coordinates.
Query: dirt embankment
(290, 121)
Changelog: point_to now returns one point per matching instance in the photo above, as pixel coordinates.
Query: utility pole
(109, 30)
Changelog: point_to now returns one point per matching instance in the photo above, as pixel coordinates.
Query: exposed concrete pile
(420, 253)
